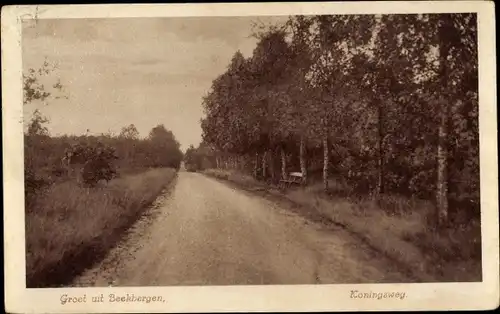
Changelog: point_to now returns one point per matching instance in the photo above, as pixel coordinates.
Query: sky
(145, 71)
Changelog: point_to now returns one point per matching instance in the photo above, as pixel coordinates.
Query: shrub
(96, 170)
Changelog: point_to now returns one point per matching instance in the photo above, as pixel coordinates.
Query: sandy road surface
(203, 232)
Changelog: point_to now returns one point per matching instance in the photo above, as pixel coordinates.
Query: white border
(437, 296)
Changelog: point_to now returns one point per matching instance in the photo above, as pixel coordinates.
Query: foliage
(33, 87)
(90, 159)
(129, 132)
(98, 164)
(199, 158)
(163, 149)
(36, 125)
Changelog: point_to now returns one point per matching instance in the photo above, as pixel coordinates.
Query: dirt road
(203, 232)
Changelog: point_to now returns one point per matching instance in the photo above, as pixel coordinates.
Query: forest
(386, 104)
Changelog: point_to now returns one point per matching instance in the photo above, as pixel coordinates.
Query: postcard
(284, 157)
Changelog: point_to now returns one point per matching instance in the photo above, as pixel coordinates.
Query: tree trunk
(326, 160)
(256, 165)
(442, 165)
(380, 162)
(283, 163)
(264, 165)
(443, 107)
(217, 162)
(272, 166)
(303, 165)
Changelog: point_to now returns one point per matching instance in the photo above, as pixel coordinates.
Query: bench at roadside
(291, 179)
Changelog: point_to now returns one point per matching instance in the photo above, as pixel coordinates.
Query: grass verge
(398, 227)
(69, 227)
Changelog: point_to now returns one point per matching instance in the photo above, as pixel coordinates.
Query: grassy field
(401, 228)
(69, 227)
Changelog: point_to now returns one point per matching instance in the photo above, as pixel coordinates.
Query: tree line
(51, 156)
(387, 103)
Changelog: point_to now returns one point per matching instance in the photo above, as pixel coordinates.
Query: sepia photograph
(262, 150)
